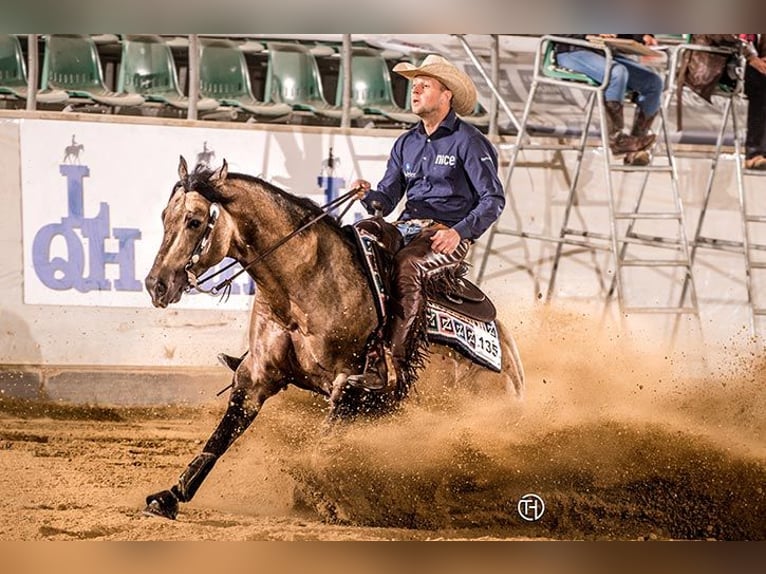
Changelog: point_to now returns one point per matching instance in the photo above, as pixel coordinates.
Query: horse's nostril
(156, 286)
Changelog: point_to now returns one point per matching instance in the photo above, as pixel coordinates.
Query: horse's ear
(220, 174)
(183, 169)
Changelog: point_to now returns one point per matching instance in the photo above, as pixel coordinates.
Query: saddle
(458, 313)
(467, 299)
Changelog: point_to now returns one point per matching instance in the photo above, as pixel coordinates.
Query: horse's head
(197, 233)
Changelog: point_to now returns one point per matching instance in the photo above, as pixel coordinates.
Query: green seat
(147, 69)
(552, 70)
(293, 79)
(224, 77)
(71, 64)
(371, 87)
(13, 73)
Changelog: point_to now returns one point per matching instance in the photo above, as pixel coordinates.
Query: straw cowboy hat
(456, 81)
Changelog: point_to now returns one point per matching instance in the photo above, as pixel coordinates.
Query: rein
(195, 283)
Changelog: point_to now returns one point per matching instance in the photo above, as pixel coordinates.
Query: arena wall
(79, 230)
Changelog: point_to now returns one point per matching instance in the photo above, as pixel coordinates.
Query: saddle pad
(477, 340)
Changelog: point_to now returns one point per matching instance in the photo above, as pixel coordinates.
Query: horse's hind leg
(245, 403)
(512, 366)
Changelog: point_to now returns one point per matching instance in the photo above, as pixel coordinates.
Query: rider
(447, 169)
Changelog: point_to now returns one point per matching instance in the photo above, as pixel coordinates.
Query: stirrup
(368, 382)
(376, 377)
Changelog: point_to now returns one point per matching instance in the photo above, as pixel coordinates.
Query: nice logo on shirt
(444, 159)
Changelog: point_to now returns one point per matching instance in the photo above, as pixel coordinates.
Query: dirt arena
(621, 443)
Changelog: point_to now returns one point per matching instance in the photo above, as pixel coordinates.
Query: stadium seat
(293, 79)
(72, 64)
(224, 77)
(147, 69)
(13, 74)
(371, 87)
(551, 69)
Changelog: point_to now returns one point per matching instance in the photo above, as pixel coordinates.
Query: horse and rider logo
(72, 152)
(205, 156)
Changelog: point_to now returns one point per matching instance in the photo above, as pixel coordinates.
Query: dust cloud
(621, 442)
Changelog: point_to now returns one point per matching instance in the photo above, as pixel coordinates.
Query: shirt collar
(449, 123)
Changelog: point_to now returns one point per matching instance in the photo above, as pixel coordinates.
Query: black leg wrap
(193, 476)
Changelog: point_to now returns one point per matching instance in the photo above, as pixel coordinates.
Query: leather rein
(225, 285)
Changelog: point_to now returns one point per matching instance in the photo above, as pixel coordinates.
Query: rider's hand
(362, 186)
(445, 241)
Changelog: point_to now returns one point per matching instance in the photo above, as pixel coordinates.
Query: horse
(313, 310)
(73, 151)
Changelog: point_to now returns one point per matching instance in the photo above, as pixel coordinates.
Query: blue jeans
(626, 74)
(409, 229)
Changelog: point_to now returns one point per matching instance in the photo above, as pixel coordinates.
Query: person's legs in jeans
(646, 82)
(592, 65)
(649, 86)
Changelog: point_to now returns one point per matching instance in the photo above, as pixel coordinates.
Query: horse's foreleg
(336, 393)
(244, 405)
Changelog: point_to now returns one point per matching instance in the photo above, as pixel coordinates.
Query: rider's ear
(183, 169)
(220, 174)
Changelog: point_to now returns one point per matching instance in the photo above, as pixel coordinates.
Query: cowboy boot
(383, 373)
(641, 128)
(620, 142)
(377, 375)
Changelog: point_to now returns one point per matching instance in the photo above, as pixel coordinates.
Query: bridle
(214, 212)
(224, 287)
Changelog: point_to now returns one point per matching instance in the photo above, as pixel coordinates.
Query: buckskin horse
(313, 311)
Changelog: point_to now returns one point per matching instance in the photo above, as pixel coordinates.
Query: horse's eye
(193, 224)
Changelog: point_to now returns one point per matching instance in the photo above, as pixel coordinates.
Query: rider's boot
(229, 361)
(378, 373)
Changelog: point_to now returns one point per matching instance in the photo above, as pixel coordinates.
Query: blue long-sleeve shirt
(449, 176)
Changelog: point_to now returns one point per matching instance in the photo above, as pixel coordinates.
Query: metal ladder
(618, 241)
(747, 247)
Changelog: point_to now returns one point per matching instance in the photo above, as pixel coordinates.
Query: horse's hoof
(164, 504)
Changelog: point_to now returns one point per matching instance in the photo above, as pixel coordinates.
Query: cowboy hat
(456, 81)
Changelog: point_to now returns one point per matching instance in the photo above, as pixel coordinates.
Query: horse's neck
(314, 269)
(263, 223)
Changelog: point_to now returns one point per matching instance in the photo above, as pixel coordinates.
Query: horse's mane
(303, 208)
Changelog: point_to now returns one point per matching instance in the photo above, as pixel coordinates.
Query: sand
(621, 443)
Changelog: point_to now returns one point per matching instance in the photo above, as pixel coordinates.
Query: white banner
(92, 195)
